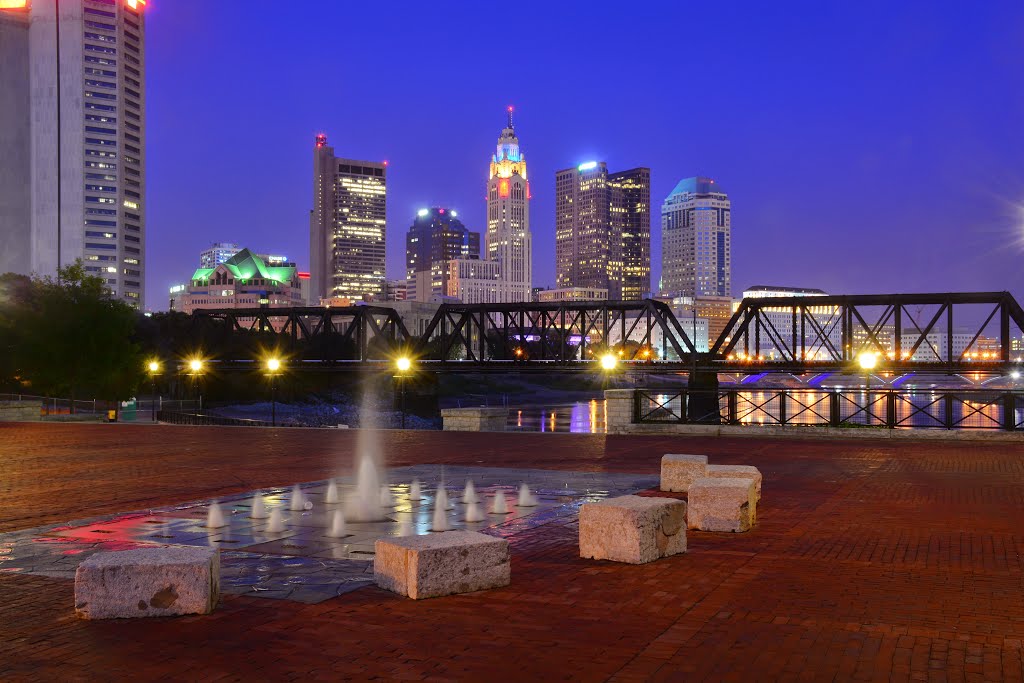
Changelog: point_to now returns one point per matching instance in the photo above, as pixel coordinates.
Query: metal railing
(913, 409)
(206, 419)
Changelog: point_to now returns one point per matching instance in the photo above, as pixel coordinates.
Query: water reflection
(579, 417)
(981, 410)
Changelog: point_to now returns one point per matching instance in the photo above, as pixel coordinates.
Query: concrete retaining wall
(478, 419)
(20, 411)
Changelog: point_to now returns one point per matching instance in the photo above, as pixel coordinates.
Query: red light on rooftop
(321, 140)
(303, 276)
(511, 108)
(440, 210)
(385, 162)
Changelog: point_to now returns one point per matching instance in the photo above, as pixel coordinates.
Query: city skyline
(894, 149)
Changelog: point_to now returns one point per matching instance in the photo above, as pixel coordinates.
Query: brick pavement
(871, 561)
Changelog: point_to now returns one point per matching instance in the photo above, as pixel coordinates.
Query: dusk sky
(874, 147)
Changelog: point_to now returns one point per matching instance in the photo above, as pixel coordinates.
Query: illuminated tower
(696, 240)
(347, 227)
(72, 139)
(509, 243)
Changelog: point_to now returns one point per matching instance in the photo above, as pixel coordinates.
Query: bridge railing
(916, 409)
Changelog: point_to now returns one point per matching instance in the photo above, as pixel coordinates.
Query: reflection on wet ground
(302, 563)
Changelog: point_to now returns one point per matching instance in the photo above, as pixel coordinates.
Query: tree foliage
(67, 337)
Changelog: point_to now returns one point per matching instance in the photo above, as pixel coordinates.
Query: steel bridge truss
(793, 334)
(523, 333)
(906, 330)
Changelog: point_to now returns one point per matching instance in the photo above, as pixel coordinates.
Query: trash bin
(128, 409)
(111, 416)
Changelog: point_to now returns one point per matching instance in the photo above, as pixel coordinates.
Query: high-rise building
(218, 253)
(696, 248)
(602, 229)
(72, 139)
(436, 237)
(347, 226)
(630, 215)
(505, 271)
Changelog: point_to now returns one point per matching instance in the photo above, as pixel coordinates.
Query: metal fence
(916, 409)
(205, 419)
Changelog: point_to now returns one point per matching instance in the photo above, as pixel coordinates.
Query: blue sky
(866, 147)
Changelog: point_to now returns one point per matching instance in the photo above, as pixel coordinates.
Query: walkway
(871, 561)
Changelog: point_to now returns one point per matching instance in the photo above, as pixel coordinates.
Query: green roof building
(246, 281)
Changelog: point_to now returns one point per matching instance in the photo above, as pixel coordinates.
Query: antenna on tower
(510, 110)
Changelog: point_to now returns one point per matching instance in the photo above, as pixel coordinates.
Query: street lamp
(154, 370)
(404, 365)
(608, 362)
(195, 367)
(867, 361)
(273, 369)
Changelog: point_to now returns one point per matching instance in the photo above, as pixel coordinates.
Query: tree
(71, 338)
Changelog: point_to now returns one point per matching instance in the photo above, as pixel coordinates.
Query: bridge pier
(702, 397)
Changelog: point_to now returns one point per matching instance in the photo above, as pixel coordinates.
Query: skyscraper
(435, 237)
(505, 273)
(347, 226)
(602, 229)
(630, 215)
(218, 253)
(696, 249)
(72, 139)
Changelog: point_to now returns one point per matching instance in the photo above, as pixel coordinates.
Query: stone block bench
(721, 504)
(442, 563)
(150, 582)
(679, 471)
(633, 529)
(738, 472)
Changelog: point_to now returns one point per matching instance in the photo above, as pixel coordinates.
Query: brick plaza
(870, 561)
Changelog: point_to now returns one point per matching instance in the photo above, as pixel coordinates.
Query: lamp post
(404, 365)
(195, 367)
(273, 369)
(154, 370)
(867, 361)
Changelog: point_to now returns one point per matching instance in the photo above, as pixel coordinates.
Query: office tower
(218, 253)
(696, 250)
(347, 226)
(436, 237)
(72, 140)
(602, 222)
(505, 271)
(630, 214)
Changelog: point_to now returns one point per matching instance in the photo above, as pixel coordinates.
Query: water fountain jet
(526, 499)
(258, 510)
(440, 520)
(473, 513)
(215, 518)
(415, 493)
(500, 504)
(276, 524)
(337, 529)
(298, 501)
(469, 494)
(331, 497)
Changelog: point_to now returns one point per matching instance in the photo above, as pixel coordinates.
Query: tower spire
(510, 110)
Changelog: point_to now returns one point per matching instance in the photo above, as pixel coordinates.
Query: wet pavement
(303, 563)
